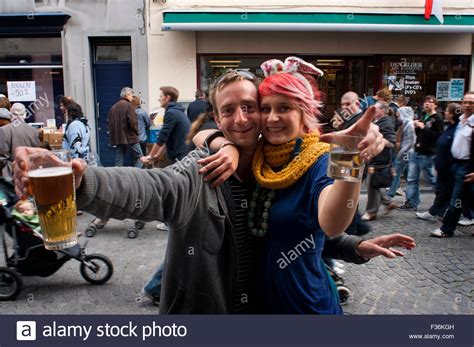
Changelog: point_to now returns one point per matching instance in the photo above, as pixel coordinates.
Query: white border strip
(398, 28)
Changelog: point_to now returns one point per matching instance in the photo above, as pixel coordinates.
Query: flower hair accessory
(291, 65)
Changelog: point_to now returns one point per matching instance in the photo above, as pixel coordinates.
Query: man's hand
(469, 178)
(372, 143)
(220, 166)
(145, 159)
(20, 170)
(419, 124)
(381, 246)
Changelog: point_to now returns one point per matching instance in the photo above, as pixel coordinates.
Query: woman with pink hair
(295, 205)
(297, 202)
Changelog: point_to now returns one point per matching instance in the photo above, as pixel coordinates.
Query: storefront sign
(442, 90)
(412, 85)
(21, 91)
(406, 67)
(457, 89)
(403, 77)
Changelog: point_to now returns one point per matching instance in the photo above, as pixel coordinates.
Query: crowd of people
(434, 143)
(250, 211)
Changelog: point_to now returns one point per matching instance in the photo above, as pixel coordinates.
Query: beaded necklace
(260, 204)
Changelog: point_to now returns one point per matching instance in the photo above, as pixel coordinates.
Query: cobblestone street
(435, 278)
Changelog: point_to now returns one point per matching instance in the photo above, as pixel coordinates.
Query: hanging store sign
(21, 90)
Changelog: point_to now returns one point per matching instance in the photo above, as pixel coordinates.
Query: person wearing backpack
(77, 133)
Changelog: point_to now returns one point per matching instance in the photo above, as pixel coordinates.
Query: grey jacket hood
(406, 114)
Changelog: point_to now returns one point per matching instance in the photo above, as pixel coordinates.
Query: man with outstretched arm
(207, 273)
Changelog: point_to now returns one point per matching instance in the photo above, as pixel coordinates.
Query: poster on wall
(21, 90)
(457, 89)
(402, 77)
(442, 90)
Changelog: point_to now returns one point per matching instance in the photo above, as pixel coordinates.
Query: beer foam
(50, 172)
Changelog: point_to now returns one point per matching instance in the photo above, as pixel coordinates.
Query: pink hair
(298, 92)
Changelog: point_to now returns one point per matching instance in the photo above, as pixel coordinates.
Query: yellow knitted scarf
(268, 156)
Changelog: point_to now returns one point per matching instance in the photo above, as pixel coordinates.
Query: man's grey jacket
(201, 260)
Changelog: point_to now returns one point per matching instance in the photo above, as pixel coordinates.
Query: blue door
(112, 71)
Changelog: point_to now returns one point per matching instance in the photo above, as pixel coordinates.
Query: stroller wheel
(96, 268)
(132, 233)
(344, 295)
(139, 224)
(91, 230)
(10, 284)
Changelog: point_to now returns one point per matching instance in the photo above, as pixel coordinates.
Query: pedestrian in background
(77, 133)
(14, 135)
(173, 133)
(463, 165)
(198, 106)
(379, 168)
(427, 129)
(143, 123)
(406, 139)
(203, 122)
(123, 129)
(5, 116)
(443, 162)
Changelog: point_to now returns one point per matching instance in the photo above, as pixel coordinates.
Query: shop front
(411, 75)
(362, 52)
(31, 64)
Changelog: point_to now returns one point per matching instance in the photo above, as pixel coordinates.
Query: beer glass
(52, 183)
(345, 162)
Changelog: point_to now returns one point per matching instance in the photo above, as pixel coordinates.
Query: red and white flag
(434, 7)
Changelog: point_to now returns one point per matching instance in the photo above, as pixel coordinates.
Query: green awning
(308, 21)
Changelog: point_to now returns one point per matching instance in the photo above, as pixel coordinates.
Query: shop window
(340, 74)
(418, 76)
(49, 88)
(37, 63)
(44, 50)
(113, 52)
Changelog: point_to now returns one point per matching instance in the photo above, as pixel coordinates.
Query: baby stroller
(31, 258)
(133, 227)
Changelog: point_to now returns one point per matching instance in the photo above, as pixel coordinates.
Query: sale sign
(21, 90)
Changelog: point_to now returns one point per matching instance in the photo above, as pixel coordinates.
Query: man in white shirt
(461, 150)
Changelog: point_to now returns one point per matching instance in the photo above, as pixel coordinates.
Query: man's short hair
(430, 98)
(226, 79)
(382, 105)
(172, 92)
(125, 91)
(18, 110)
(200, 94)
(350, 95)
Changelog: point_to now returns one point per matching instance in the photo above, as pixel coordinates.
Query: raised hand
(373, 142)
(381, 246)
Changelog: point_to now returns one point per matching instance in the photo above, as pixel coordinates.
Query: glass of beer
(52, 183)
(345, 162)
